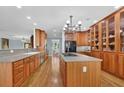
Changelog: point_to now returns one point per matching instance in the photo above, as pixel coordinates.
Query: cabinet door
(112, 62)
(106, 61)
(26, 67)
(121, 65)
(32, 61)
(78, 38)
(109, 62)
(18, 73)
(69, 36)
(102, 57)
(62, 71)
(37, 61)
(96, 54)
(82, 38)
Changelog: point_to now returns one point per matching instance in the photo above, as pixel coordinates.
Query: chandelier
(69, 27)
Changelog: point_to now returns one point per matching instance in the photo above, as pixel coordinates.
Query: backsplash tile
(83, 48)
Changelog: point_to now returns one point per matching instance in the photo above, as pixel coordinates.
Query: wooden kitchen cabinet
(6, 74)
(15, 73)
(18, 73)
(37, 61)
(63, 70)
(26, 68)
(120, 65)
(73, 75)
(88, 53)
(110, 62)
(32, 64)
(70, 36)
(82, 38)
(95, 54)
(40, 39)
(111, 42)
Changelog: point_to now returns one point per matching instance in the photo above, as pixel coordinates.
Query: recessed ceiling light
(28, 17)
(35, 24)
(19, 6)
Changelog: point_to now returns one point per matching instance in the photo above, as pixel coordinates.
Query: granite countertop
(13, 58)
(80, 58)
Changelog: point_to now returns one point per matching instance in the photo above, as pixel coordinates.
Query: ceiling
(13, 21)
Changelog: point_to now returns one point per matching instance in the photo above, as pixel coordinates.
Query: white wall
(16, 44)
(0, 44)
(49, 45)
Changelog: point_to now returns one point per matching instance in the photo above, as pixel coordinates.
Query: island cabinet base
(6, 72)
(81, 74)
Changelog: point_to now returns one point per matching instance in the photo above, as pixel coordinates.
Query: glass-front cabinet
(104, 35)
(92, 37)
(111, 33)
(122, 31)
(96, 37)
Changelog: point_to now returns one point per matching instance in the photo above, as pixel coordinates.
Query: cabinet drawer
(18, 76)
(18, 67)
(32, 58)
(17, 84)
(18, 63)
(19, 70)
(27, 60)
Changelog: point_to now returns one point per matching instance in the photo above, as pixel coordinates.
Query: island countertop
(80, 58)
(13, 58)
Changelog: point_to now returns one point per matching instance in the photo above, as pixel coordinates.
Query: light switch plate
(84, 68)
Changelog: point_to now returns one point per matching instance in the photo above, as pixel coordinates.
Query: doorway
(55, 47)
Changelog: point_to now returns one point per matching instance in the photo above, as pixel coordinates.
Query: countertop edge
(23, 57)
(94, 59)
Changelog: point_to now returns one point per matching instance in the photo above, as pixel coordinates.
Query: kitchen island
(16, 68)
(80, 70)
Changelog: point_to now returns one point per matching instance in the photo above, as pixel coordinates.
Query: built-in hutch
(107, 42)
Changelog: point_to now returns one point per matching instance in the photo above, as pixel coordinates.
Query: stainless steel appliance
(70, 46)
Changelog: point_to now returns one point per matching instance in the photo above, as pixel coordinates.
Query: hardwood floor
(109, 80)
(48, 75)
